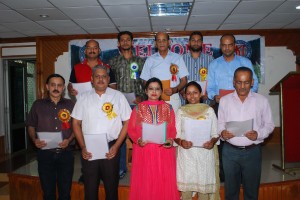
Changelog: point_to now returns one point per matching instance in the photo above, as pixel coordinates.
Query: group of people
(158, 171)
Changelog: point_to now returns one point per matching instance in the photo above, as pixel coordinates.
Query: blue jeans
(241, 166)
(55, 168)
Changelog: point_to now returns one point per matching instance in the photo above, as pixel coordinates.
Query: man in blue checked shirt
(197, 64)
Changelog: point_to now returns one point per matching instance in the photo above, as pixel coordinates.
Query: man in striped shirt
(197, 63)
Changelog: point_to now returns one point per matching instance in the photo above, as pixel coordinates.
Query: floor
(26, 164)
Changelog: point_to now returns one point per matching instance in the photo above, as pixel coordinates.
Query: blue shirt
(159, 67)
(220, 74)
(194, 65)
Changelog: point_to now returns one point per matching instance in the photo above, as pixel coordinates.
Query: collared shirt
(159, 67)
(220, 74)
(82, 72)
(255, 106)
(88, 109)
(128, 81)
(194, 65)
(44, 116)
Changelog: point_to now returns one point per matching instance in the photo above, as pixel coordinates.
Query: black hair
(194, 83)
(243, 69)
(154, 80)
(125, 33)
(54, 76)
(228, 35)
(196, 33)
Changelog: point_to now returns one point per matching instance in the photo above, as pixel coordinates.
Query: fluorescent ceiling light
(298, 7)
(170, 9)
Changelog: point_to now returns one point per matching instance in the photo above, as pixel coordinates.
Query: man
(127, 69)
(220, 70)
(242, 155)
(220, 76)
(82, 72)
(166, 65)
(101, 110)
(197, 62)
(52, 114)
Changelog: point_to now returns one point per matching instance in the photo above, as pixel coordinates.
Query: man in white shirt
(101, 110)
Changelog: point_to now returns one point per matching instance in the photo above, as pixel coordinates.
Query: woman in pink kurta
(153, 172)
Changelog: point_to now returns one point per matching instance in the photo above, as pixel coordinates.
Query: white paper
(239, 128)
(197, 131)
(82, 87)
(51, 138)
(130, 98)
(154, 133)
(97, 145)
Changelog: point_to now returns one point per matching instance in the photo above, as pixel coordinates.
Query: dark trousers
(107, 171)
(55, 168)
(241, 166)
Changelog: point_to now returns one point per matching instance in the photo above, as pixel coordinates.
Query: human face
(242, 83)
(55, 87)
(100, 80)
(162, 43)
(125, 42)
(227, 46)
(195, 43)
(153, 91)
(192, 94)
(92, 50)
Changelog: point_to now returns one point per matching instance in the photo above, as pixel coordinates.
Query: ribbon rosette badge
(174, 70)
(108, 109)
(203, 74)
(134, 70)
(64, 116)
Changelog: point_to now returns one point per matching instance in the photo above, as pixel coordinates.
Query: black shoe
(80, 180)
(122, 174)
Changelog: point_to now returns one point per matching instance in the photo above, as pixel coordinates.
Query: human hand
(226, 135)
(186, 144)
(85, 154)
(71, 90)
(112, 152)
(137, 100)
(64, 144)
(39, 143)
(251, 135)
(168, 91)
(217, 98)
(141, 143)
(168, 144)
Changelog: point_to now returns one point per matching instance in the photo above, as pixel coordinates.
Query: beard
(196, 49)
(125, 48)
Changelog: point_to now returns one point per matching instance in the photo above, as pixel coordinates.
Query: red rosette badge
(174, 70)
(64, 116)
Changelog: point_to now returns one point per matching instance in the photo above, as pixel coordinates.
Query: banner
(250, 46)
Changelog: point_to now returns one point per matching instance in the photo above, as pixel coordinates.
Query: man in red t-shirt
(82, 72)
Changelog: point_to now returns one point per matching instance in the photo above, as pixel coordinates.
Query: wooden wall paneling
(290, 190)
(48, 52)
(270, 191)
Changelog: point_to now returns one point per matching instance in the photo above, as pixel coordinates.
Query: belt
(57, 150)
(242, 147)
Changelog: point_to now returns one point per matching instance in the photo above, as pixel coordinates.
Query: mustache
(92, 52)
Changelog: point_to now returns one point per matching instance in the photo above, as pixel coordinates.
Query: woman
(153, 172)
(197, 169)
